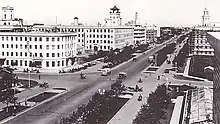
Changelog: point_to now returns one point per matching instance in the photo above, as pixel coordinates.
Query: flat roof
(88, 27)
(36, 34)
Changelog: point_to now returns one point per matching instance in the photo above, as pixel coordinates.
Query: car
(122, 75)
(134, 59)
(105, 72)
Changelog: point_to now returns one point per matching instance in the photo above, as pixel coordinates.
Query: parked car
(105, 72)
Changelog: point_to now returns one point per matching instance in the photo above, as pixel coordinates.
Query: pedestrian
(39, 77)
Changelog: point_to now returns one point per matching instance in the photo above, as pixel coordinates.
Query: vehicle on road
(134, 59)
(105, 72)
(122, 75)
(82, 76)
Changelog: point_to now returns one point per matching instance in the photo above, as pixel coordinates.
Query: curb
(26, 110)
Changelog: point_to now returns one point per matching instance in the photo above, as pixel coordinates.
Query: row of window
(35, 46)
(30, 54)
(99, 36)
(204, 52)
(25, 63)
(6, 38)
(77, 30)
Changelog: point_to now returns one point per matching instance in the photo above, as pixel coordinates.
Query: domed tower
(205, 18)
(115, 17)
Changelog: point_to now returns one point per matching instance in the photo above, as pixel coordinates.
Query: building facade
(198, 42)
(45, 50)
(214, 40)
(95, 38)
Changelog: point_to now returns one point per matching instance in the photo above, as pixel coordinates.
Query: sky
(90, 12)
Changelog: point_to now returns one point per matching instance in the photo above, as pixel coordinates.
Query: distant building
(94, 38)
(114, 18)
(198, 36)
(8, 23)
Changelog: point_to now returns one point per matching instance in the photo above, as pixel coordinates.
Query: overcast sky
(158, 12)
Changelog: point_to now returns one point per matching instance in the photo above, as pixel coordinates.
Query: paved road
(79, 91)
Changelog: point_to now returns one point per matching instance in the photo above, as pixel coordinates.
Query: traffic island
(41, 97)
(10, 111)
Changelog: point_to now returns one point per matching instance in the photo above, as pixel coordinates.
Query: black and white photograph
(109, 62)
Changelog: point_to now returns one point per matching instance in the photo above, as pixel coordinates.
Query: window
(20, 46)
(21, 54)
(25, 38)
(104, 36)
(47, 47)
(58, 64)
(47, 54)
(7, 62)
(35, 46)
(35, 39)
(40, 39)
(6, 38)
(53, 39)
(47, 64)
(40, 46)
(16, 38)
(53, 54)
(25, 54)
(104, 41)
(30, 46)
(2, 45)
(108, 41)
(30, 38)
(11, 45)
(11, 38)
(7, 46)
(53, 63)
(3, 38)
(20, 38)
(25, 63)
(58, 54)
(108, 47)
(7, 53)
(58, 39)
(11, 53)
(47, 39)
(53, 47)
(41, 55)
(3, 53)
(104, 47)
(58, 46)
(62, 63)
(16, 53)
(16, 46)
(35, 54)
(108, 36)
(20, 62)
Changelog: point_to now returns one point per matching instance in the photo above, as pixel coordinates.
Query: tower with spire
(115, 17)
(205, 18)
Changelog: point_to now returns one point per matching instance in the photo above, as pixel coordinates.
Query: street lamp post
(29, 73)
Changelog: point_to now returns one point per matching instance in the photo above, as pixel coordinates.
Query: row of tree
(162, 54)
(180, 59)
(100, 108)
(153, 111)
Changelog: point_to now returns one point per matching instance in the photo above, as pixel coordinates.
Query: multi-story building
(8, 22)
(214, 40)
(93, 38)
(152, 32)
(46, 50)
(198, 37)
(139, 34)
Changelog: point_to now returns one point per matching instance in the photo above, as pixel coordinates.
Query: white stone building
(8, 23)
(94, 38)
(46, 50)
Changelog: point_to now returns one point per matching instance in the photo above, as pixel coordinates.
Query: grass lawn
(41, 97)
